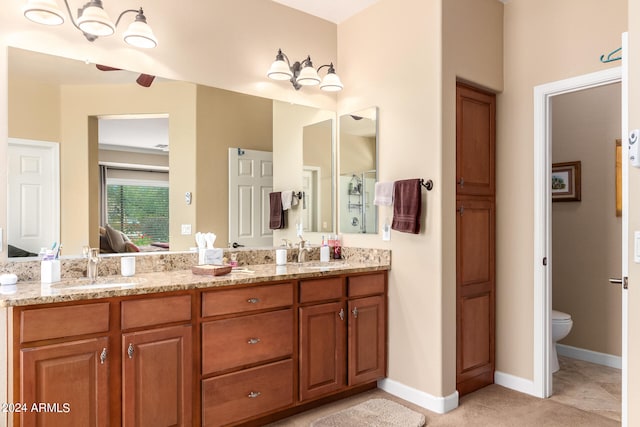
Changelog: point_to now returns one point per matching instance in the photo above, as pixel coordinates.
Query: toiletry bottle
(337, 250)
(324, 251)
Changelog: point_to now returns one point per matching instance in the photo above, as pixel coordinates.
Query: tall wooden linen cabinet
(475, 238)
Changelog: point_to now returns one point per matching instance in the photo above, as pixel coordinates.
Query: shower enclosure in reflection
(358, 212)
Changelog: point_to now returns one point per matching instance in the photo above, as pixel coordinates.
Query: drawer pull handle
(103, 356)
(355, 312)
(341, 314)
(253, 341)
(253, 300)
(253, 394)
(130, 351)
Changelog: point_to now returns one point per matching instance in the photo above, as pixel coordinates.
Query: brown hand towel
(276, 214)
(407, 206)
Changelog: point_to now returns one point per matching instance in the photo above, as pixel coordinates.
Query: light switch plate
(636, 247)
(186, 229)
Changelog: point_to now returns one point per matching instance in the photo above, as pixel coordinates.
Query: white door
(33, 205)
(250, 182)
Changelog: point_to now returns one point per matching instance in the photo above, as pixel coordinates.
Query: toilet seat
(559, 317)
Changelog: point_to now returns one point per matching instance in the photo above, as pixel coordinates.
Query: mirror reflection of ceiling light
(93, 21)
(302, 73)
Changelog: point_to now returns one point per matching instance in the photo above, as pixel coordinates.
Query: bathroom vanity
(174, 348)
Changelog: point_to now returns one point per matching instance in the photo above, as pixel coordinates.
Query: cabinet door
(475, 294)
(367, 339)
(322, 349)
(71, 379)
(157, 377)
(475, 142)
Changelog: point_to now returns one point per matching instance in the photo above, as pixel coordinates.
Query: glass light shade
(331, 83)
(95, 21)
(279, 71)
(43, 12)
(139, 34)
(308, 77)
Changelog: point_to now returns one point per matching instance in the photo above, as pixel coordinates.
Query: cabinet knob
(461, 182)
(253, 394)
(355, 312)
(341, 314)
(103, 356)
(130, 351)
(253, 341)
(253, 300)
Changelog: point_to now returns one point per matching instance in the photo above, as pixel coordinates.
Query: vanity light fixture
(302, 73)
(92, 20)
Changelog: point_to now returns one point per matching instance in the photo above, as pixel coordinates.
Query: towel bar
(428, 184)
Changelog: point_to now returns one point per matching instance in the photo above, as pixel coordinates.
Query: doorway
(586, 248)
(543, 382)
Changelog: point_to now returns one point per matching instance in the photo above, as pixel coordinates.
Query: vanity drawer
(61, 322)
(366, 284)
(215, 303)
(240, 341)
(321, 289)
(233, 397)
(155, 311)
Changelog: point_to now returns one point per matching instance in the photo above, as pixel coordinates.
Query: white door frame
(542, 375)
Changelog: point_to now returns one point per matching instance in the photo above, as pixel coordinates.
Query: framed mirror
(358, 171)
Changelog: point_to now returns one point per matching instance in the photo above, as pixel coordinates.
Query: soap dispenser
(324, 251)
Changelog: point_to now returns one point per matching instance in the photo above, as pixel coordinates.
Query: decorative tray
(211, 270)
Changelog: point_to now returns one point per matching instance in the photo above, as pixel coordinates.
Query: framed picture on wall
(565, 182)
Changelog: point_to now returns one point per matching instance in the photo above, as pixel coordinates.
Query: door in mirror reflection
(358, 171)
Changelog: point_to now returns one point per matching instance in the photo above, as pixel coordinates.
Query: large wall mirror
(118, 140)
(358, 171)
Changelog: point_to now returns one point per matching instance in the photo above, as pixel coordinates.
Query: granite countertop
(76, 289)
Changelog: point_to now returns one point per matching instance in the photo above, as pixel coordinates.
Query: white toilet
(561, 324)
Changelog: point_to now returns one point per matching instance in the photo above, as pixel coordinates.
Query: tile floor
(586, 395)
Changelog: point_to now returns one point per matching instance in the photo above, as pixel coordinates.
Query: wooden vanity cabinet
(69, 358)
(239, 355)
(157, 371)
(64, 362)
(247, 341)
(367, 338)
(342, 333)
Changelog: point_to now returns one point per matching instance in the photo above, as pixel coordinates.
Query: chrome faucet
(303, 250)
(92, 255)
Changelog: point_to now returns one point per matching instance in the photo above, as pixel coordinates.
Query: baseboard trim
(436, 404)
(590, 356)
(514, 383)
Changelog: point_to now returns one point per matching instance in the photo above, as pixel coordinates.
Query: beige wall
(318, 152)
(78, 178)
(361, 152)
(586, 235)
(544, 41)
(148, 159)
(224, 119)
(409, 147)
(34, 110)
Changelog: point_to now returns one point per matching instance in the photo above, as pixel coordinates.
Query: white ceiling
(335, 11)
